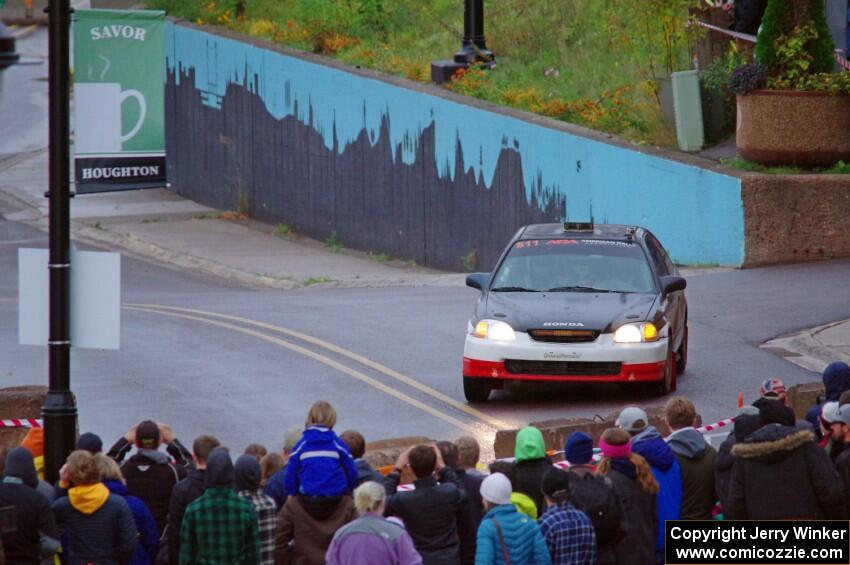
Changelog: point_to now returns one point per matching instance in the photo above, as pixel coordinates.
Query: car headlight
(494, 329)
(636, 333)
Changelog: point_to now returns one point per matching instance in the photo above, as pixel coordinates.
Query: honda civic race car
(577, 302)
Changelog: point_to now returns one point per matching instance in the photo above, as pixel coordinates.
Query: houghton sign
(119, 95)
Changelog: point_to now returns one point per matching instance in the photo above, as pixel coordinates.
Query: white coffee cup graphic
(97, 111)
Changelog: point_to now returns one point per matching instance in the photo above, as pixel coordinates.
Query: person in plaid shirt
(248, 475)
(220, 527)
(568, 532)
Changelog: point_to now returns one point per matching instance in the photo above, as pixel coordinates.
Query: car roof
(599, 231)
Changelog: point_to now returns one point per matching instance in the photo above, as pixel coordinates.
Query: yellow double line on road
(204, 316)
(22, 32)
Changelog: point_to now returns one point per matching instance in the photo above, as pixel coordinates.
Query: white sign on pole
(95, 298)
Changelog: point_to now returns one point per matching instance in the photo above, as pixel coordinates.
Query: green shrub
(781, 18)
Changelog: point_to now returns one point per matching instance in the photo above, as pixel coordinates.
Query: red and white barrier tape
(20, 423)
(716, 425)
(841, 59)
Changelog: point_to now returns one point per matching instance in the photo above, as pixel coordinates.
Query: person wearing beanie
(637, 489)
(578, 451)
(506, 535)
(150, 474)
(98, 525)
(695, 456)
(90, 442)
(531, 463)
(775, 389)
(220, 526)
(836, 379)
(371, 538)
(32, 511)
(746, 422)
(781, 454)
(594, 495)
(568, 531)
(275, 487)
(648, 443)
(247, 480)
(429, 511)
(186, 491)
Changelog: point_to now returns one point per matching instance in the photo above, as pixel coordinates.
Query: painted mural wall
(418, 175)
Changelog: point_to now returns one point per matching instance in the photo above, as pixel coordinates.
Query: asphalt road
(245, 365)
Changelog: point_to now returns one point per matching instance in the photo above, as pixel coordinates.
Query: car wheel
(476, 389)
(682, 354)
(667, 384)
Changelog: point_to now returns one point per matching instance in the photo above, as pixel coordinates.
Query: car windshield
(574, 265)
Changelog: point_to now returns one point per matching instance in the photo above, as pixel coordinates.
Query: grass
(379, 257)
(566, 60)
(317, 280)
(839, 168)
(282, 230)
(469, 261)
(216, 215)
(333, 242)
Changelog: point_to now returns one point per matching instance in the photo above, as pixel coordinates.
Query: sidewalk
(162, 226)
(814, 348)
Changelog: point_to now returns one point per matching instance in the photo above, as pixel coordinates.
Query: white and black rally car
(577, 302)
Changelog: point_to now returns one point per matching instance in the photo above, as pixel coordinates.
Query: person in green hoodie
(99, 524)
(530, 466)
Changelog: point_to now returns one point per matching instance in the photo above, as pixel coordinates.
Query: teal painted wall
(697, 213)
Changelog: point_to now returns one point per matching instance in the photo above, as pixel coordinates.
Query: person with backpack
(568, 531)
(695, 456)
(594, 495)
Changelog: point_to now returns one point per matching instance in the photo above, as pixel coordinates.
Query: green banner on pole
(119, 99)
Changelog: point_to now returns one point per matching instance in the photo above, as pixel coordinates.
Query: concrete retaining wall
(413, 170)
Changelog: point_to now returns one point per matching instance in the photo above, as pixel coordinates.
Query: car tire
(476, 389)
(682, 353)
(667, 384)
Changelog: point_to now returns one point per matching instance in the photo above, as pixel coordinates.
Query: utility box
(687, 107)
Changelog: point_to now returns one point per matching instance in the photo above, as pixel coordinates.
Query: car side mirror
(672, 284)
(477, 280)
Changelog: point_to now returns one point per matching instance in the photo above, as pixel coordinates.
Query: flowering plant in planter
(792, 109)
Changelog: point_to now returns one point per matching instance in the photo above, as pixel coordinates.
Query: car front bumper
(525, 359)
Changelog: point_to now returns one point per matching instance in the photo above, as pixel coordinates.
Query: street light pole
(59, 412)
(473, 47)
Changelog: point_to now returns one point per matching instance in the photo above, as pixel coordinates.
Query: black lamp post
(473, 49)
(60, 409)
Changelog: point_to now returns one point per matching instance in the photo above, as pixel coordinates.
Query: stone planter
(787, 127)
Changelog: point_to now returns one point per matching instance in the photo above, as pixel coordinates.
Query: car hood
(567, 310)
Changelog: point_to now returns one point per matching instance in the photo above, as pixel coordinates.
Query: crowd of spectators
(319, 501)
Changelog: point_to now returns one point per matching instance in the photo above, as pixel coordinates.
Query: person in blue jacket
(148, 545)
(648, 443)
(320, 464)
(504, 532)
